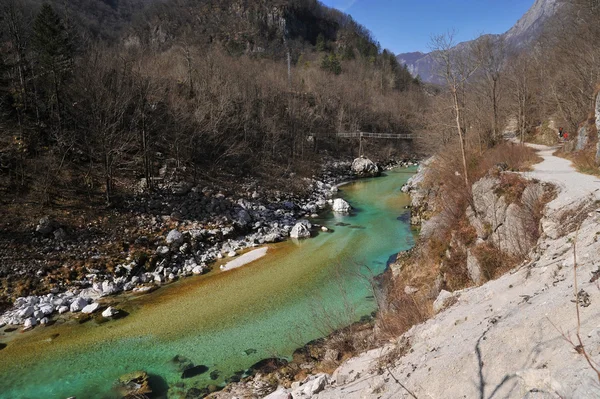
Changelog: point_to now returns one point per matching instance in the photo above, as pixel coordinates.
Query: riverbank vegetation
(87, 112)
(486, 88)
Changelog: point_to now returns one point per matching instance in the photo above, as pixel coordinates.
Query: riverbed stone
(91, 308)
(341, 206)
(78, 304)
(174, 237)
(300, 230)
(109, 312)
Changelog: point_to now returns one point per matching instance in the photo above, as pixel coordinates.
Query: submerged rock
(194, 371)
(134, 385)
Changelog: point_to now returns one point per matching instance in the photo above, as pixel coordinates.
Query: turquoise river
(226, 321)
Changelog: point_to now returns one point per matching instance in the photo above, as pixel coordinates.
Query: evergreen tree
(331, 63)
(348, 53)
(54, 53)
(321, 45)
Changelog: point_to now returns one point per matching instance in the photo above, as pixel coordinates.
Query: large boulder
(301, 230)
(341, 206)
(364, 167)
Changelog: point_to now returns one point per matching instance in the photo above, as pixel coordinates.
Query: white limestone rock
(109, 312)
(364, 167)
(91, 308)
(301, 230)
(78, 304)
(341, 206)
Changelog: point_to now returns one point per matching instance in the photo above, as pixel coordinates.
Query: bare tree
(490, 52)
(456, 66)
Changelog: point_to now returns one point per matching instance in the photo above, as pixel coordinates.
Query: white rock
(198, 270)
(91, 308)
(324, 229)
(300, 230)
(162, 250)
(63, 309)
(365, 167)
(29, 323)
(47, 309)
(341, 206)
(440, 302)
(174, 237)
(231, 254)
(280, 393)
(44, 321)
(26, 312)
(78, 304)
(109, 312)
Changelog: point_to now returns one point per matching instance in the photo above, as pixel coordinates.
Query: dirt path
(574, 186)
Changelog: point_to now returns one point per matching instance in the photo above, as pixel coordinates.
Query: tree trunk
(461, 137)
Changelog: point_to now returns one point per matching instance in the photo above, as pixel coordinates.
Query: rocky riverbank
(178, 232)
(527, 333)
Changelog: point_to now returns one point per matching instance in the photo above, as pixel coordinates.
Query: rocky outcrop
(582, 138)
(364, 167)
(505, 224)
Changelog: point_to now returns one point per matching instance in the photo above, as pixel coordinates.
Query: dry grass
(402, 311)
(584, 160)
(440, 260)
(494, 263)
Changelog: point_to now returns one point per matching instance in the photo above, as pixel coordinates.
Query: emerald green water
(297, 293)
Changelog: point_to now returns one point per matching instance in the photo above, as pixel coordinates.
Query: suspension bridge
(362, 135)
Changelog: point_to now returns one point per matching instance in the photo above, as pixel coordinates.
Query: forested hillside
(94, 98)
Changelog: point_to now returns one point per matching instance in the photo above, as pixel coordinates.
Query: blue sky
(407, 25)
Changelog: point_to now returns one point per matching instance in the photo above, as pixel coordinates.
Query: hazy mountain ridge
(527, 29)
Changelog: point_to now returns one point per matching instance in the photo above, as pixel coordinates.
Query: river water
(226, 321)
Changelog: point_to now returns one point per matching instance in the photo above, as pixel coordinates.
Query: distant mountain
(525, 31)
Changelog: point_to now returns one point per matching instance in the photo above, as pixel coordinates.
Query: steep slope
(523, 33)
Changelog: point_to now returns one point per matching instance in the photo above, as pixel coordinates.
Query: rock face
(504, 224)
(301, 230)
(364, 167)
(582, 138)
(341, 206)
